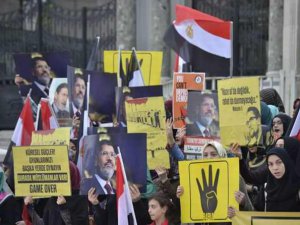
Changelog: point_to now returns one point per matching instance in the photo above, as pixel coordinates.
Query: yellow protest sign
(266, 218)
(150, 62)
(41, 171)
(209, 187)
(59, 136)
(147, 115)
(239, 99)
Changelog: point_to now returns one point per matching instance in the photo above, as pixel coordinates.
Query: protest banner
(147, 115)
(239, 99)
(193, 146)
(266, 218)
(182, 82)
(150, 63)
(209, 187)
(41, 171)
(59, 136)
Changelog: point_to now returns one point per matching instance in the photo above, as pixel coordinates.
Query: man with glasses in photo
(254, 134)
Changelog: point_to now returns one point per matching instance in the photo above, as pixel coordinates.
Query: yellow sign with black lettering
(41, 171)
(58, 136)
(239, 99)
(209, 187)
(150, 62)
(266, 218)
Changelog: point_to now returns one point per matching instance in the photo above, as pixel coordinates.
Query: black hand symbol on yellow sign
(208, 192)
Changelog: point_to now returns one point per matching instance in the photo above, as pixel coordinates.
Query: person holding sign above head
(214, 150)
(204, 113)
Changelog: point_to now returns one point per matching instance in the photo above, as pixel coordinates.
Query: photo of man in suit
(202, 111)
(41, 79)
(100, 160)
(60, 101)
(77, 94)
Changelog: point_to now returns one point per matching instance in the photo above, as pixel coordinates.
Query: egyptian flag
(23, 130)
(46, 119)
(201, 40)
(134, 74)
(126, 214)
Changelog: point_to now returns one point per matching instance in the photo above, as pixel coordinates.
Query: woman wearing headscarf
(292, 147)
(279, 127)
(271, 97)
(214, 150)
(282, 186)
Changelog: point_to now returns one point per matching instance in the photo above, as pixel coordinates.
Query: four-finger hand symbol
(208, 191)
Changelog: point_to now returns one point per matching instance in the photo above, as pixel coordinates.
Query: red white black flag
(201, 40)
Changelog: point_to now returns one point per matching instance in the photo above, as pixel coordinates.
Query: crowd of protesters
(269, 180)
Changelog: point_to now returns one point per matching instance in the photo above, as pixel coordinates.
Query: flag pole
(37, 116)
(231, 49)
(119, 68)
(133, 49)
(126, 183)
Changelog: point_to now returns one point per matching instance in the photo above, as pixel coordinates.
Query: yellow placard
(209, 187)
(59, 136)
(150, 62)
(239, 104)
(147, 115)
(266, 218)
(41, 171)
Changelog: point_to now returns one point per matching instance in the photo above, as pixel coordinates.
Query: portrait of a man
(99, 164)
(253, 123)
(60, 101)
(203, 115)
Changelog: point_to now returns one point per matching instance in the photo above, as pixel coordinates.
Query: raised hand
(208, 192)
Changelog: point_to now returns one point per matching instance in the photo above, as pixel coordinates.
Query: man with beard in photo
(104, 167)
(41, 79)
(78, 93)
(205, 123)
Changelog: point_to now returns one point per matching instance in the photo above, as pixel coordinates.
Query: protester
(160, 209)
(292, 147)
(279, 127)
(282, 186)
(271, 97)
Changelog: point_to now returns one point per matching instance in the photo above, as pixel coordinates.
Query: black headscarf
(271, 97)
(282, 194)
(292, 146)
(285, 119)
